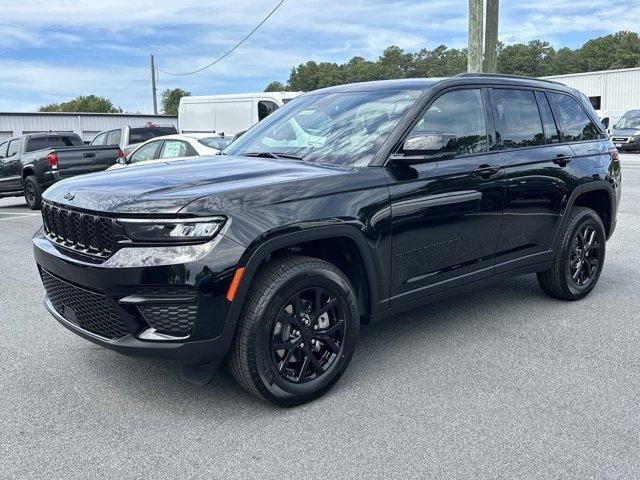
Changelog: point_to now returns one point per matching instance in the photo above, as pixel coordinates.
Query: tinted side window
(550, 129)
(266, 108)
(71, 140)
(518, 117)
(145, 152)
(14, 147)
(113, 137)
(574, 122)
(99, 140)
(3, 149)
(459, 113)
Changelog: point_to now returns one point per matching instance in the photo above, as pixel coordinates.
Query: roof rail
(504, 75)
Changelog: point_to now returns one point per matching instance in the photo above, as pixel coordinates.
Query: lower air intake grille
(171, 319)
(89, 310)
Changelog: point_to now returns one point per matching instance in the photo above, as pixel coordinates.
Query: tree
(525, 59)
(536, 58)
(275, 87)
(171, 100)
(83, 103)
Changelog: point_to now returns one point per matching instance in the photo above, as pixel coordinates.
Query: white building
(608, 90)
(87, 125)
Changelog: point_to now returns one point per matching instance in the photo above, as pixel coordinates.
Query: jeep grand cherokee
(347, 205)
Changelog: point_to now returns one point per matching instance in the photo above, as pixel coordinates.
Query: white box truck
(228, 114)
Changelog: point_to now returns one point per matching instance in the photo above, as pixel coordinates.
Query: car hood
(168, 187)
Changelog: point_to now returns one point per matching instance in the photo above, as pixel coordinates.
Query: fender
(588, 187)
(255, 257)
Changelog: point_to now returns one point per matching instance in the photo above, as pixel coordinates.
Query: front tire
(33, 192)
(297, 332)
(579, 258)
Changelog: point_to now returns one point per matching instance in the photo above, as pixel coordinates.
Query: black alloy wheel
(30, 193)
(297, 332)
(307, 335)
(579, 256)
(584, 260)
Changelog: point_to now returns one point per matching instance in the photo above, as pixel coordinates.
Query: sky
(55, 50)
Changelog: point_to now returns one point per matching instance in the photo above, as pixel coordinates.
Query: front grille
(91, 311)
(90, 234)
(172, 319)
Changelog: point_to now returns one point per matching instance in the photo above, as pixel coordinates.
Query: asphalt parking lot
(501, 383)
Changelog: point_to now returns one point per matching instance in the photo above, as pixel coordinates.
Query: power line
(230, 51)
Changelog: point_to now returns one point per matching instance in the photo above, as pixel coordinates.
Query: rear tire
(579, 258)
(33, 192)
(297, 331)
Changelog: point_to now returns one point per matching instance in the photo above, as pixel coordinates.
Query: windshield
(629, 122)
(342, 128)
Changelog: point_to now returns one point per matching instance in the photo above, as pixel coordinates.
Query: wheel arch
(309, 242)
(597, 195)
(27, 171)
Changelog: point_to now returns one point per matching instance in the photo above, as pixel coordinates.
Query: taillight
(120, 153)
(52, 158)
(614, 153)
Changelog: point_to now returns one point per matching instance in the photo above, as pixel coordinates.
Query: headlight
(636, 133)
(172, 230)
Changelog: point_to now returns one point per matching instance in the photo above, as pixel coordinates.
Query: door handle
(486, 171)
(562, 159)
(89, 155)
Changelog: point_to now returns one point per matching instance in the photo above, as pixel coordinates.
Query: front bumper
(116, 304)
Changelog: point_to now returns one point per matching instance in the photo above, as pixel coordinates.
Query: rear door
(446, 213)
(540, 175)
(11, 180)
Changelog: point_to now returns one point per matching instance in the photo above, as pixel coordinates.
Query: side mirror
(122, 161)
(422, 146)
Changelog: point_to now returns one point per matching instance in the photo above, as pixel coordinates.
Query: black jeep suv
(347, 205)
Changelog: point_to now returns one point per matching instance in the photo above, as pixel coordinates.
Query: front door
(447, 213)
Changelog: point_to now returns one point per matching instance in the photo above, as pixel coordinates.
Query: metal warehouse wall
(87, 125)
(618, 89)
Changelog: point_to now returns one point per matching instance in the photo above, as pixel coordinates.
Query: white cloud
(102, 47)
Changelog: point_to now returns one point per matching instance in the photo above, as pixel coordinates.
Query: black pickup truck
(31, 163)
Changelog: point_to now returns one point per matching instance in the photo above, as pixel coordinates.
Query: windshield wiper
(271, 155)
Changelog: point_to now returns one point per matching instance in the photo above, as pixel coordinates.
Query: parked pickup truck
(31, 163)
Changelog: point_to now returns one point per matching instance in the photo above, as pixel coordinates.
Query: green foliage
(536, 58)
(275, 87)
(83, 103)
(171, 100)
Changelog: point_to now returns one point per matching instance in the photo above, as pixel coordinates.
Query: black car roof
(461, 79)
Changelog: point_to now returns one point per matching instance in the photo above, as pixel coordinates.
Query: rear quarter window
(574, 122)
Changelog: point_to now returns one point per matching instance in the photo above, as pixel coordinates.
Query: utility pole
(477, 59)
(153, 85)
(491, 37)
(476, 27)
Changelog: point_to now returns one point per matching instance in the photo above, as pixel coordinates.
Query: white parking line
(17, 216)
(24, 214)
